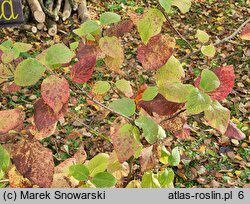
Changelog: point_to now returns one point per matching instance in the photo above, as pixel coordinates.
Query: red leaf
(85, 50)
(13, 88)
(11, 120)
(55, 92)
(124, 141)
(226, 76)
(233, 132)
(120, 29)
(44, 116)
(157, 52)
(161, 106)
(82, 70)
(245, 32)
(34, 162)
(183, 133)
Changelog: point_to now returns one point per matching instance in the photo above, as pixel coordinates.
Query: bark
(48, 14)
(37, 11)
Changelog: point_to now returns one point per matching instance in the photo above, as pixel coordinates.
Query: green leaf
(98, 164)
(183, 5)
(150, 180)
(4, 159)
(28, 72)
(172, 71)
(164, 155)
(202, 36)
(176, 91)
(79, 172)
(208, 50)
(74, 45)
(104, 180)
(161, 133)
(125, 87)
(101, 87)
(174, 159)
(124, 106)
(217, 116)
(166, 4)
(88, 27)
(109, 18)
(197, 102)
(8, 57)
(149, 127)
(209, 80)
(19, 47)
(6, 45)
(58, 54)
(166, 177)
(150, 24)
(150, 93)
(22, 47)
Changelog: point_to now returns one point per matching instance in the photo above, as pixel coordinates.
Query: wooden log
(49, 10)
(40, 26)
(66, 10)
(58, 7)
(52, 27)
(28, 27)
(82, 11)
(37, 11)
(73, 4)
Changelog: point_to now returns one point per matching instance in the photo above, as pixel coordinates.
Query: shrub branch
(172, 26)
(226, 39)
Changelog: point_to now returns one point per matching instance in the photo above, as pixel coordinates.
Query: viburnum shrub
(156, 109)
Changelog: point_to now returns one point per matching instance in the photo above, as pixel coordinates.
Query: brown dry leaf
(117, 169)
(245, 32)
(62, 180)
(173, 125)
(148, 159)
(44, 133)
(80, 156)
(64, 166)
(34, 162)
(11, 120)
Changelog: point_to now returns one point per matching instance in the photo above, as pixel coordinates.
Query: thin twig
(172, 26)
(226, 39)
(91, 130)
(99, 103)
(173, 116)
(4, 181)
